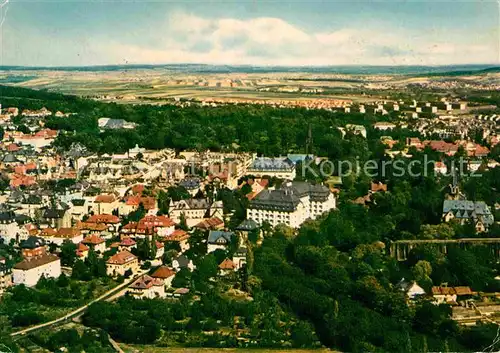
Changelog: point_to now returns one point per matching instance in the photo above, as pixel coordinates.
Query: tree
(68, 253)
(422, 272)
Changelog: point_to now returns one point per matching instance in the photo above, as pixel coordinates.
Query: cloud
(187, 38)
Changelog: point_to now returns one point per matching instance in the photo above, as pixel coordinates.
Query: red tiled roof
(48, 232)
(33, 262)
(149, 202)
(93, 239)
(126, 241)
(177, 235)
(163, 272)
(378, 187)
(68, 232)
(105, 198)
(121, 258)
(210, 223)
(103, 218)
(145, 282)
(227, 264)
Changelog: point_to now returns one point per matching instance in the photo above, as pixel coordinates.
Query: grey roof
(198, 203)
(279, 200)
(248, 224)
(295, 158)
(32, 243)
(10, 158)
(272, 164)
(182, 260)
(78, 202)
(190, 183)
(32, 200)
(215, 236)
(465, 209)
(288, 197)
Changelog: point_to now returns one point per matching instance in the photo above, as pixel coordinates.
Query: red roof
(121, 258)
(68, 232)
(126, 241)
(103, 218)
(149, 202)
(227, 264)
(105, 198)
(13, 147)
(163, 272)
(93, 239)
(155, 221)
(213, 222)
(378, 187)
(177, 235)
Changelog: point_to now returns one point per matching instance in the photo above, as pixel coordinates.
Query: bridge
(400, 249)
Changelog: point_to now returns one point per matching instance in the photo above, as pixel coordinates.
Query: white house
(291, 205)
(37, 263)
(218, 239)
(282, 168)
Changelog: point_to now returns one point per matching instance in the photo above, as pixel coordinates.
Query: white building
(291, 205)
(218, 239)
(37, 263)
(195, 210)
(282, 168)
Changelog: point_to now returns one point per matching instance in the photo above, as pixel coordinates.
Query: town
(89, 231)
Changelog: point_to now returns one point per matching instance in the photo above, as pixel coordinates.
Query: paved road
(81, 310)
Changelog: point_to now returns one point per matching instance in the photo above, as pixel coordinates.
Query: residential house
(5, 276)
(12, 227)
(227, 266)
(105, 204)
(195, 210)
(120, 263)
(82, 251)
(240, 257)
(218, 239)
(181, 262)
(147, 287)
(166, 274)
(73, 235)
(178, 236)
(95, 242)
(411, 289)
(37, 263)
(449, 295)
(477, 212)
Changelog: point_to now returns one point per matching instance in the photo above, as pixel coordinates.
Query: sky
(243, 32)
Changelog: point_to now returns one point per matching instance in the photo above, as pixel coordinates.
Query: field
(159, 85)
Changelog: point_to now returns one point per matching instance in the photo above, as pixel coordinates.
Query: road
(81, 310)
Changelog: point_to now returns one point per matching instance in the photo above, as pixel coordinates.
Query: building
(291, 205)
(195, 211)
(37, 263)
(477, 212)
(5, 276)
(411, 289)
(178, 236)
(122, 262)
(227, 266)
(95, 242)
(218, 239)
(181, 262)
(166, 274)
(282, 168)
(449, 295)
(147, 287)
